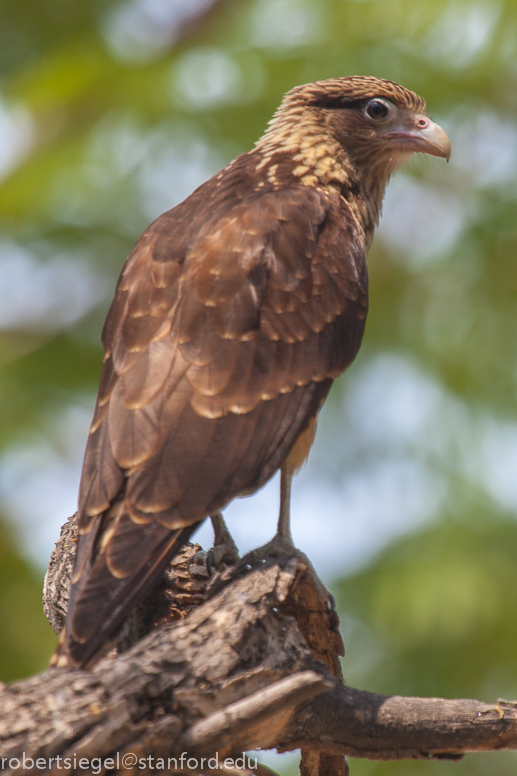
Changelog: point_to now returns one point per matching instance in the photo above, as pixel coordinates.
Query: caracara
(232, 316)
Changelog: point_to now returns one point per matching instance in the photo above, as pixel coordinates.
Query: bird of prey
(233, 315)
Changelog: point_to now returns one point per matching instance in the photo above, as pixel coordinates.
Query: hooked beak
(426, 137)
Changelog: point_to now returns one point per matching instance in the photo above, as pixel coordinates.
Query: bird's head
(359, 127)
(371, 117)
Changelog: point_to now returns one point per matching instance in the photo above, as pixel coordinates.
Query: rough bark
(254, 666)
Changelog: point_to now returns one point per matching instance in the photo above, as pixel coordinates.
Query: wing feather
(226, 330)
(154, 365)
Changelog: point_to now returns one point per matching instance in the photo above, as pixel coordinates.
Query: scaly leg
(281, 546)
(224, 549)
(284, 518)
(282, 542)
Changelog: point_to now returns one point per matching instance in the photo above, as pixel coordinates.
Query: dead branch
(255, 666)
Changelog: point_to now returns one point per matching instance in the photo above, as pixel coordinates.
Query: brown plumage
(232, 316)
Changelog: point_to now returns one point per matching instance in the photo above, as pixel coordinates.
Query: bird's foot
(224, 553)
(281, 548)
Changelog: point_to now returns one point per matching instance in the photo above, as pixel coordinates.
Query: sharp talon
(331, 602)
(224, 552)
(198, 559)
(211, 562)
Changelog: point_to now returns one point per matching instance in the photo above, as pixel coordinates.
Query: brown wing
(221, 344)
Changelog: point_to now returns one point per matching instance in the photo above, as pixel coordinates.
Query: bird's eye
(377, 110)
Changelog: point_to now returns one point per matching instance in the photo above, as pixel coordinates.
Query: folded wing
(221, 344)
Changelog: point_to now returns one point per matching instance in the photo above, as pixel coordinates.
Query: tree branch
(391, 727)
(253, 666)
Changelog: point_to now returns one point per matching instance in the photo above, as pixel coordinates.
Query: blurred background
(112, 111)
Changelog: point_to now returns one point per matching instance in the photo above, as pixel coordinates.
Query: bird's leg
(224, 549)
(283, 530)
(282, 546)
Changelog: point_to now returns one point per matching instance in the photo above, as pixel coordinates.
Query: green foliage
(111, 131)
(432, 617)
(26, 639)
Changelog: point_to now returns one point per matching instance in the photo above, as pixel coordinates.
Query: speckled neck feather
(299, 128)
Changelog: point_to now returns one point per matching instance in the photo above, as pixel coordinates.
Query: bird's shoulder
(243, 226)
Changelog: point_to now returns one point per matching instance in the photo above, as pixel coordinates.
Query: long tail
(99, 601)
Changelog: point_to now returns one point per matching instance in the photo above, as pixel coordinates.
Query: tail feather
(100, 601)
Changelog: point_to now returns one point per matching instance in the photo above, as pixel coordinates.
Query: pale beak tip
(438, 140)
